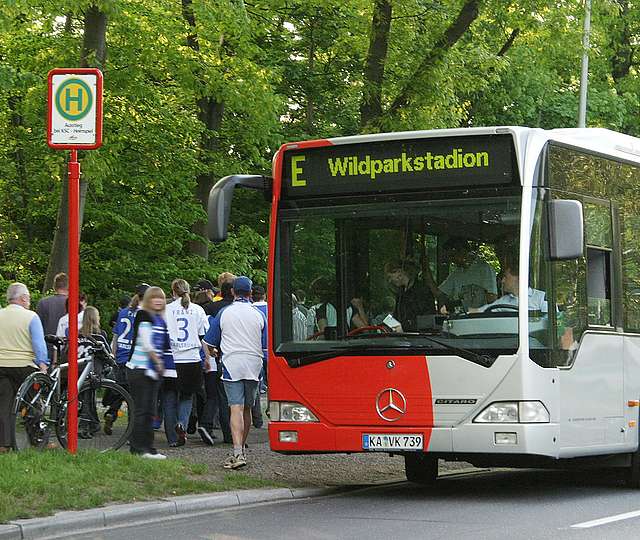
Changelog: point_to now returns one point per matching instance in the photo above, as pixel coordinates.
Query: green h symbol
(68, 98)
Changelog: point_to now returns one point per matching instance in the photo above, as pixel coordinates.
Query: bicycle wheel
(32, 412)
(95, 429)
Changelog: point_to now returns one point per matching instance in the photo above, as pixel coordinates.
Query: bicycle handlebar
(98, 345)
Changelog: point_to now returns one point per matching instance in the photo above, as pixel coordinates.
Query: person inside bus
(323, 314)
(298, 320)
(471, 284)
(510, 288)
(412, 297)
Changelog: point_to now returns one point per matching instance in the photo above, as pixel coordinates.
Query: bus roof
(599, 140)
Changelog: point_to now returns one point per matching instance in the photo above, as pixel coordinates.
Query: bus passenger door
(592, 388)
(592, 413)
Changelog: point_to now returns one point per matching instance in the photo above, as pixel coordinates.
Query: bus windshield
(417, 276)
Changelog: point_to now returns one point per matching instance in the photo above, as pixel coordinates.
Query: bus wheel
(421, 468)
(633, 471)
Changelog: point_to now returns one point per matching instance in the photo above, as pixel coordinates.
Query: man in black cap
(205, 293)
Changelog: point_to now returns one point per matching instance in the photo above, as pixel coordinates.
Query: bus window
(573, 171)
(384, 274)
(312, 279)
(599, 286)
(554, 335)
(599, 245)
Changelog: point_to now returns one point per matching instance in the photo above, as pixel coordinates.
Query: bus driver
(510, 288)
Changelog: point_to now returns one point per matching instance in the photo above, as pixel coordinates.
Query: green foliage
(284, 71)
(39, 483)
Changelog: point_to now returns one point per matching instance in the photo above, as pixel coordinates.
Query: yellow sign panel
(74, 99)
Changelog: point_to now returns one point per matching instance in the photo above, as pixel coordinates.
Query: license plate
(392, 441)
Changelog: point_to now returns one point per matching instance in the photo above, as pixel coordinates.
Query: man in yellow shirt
(22, 348)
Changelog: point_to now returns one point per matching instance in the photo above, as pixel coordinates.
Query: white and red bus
(396, 321)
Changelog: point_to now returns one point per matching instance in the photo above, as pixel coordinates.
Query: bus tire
(633, 471)
(421, 468)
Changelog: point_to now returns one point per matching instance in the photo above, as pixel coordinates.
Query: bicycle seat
(54, 340)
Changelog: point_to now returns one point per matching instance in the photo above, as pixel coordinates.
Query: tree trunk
(68, 23)
(210, 113)
(371, 101)
(17, 121)
(622, 57)
(93, 54)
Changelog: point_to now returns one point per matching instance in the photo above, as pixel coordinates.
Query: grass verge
(39, 483)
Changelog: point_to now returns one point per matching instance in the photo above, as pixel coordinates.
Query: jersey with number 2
(123, 331)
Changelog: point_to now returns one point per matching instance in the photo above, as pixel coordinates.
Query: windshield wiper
(482, 359)
(303, 358)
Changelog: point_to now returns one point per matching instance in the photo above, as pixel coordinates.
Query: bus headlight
(514, 412)
(533, 412)
(289, 411)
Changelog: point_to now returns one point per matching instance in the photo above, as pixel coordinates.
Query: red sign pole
(74, 121)
(74, 274)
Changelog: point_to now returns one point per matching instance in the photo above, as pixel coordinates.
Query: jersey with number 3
(185, 326)
(123, 331)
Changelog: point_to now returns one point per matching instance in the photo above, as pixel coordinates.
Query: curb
(62, 524)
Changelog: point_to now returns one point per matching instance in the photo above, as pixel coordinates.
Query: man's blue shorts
(241, 392)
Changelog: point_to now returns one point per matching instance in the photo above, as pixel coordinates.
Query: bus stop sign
(75, 109)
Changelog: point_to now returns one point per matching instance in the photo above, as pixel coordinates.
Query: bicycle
(41, 403)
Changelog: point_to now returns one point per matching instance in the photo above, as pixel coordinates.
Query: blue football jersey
(123, 331)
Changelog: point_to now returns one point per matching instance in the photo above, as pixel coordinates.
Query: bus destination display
(399, 166)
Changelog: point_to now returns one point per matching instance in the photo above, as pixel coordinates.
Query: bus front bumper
(517, 439)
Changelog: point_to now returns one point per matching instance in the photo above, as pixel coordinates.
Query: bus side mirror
(566, 230)
(220, 197)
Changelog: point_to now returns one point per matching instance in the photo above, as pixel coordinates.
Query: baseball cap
(141, 289)
(242, 284)
(204, 285)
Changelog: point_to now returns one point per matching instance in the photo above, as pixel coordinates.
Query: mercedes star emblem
(391, 404)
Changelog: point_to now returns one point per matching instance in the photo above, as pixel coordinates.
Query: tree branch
(456, 30)
(507, 44)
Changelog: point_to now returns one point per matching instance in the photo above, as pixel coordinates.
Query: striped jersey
(150, 331)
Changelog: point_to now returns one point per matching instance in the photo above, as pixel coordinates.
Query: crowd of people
(189, 364)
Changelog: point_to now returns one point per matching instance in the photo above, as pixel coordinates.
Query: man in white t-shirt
(62, 330)
(471, 284)
(240, 332)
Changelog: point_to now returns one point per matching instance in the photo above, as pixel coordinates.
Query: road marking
(604, 521)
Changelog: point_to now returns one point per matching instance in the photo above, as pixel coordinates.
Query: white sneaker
(147, 455)
(235, 462)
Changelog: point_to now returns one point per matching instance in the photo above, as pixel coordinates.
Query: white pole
(584, 74)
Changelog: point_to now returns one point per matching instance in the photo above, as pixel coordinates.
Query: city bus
(391, 326)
